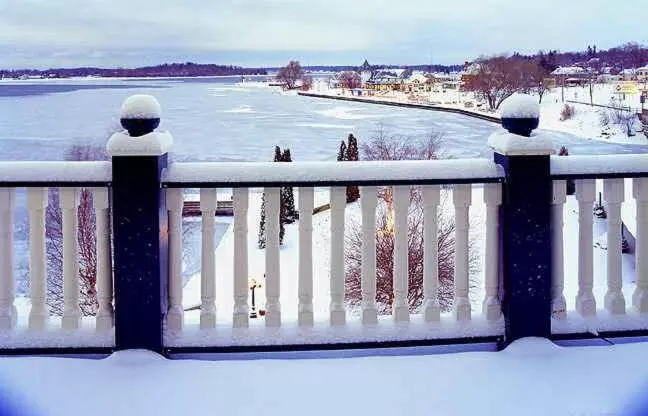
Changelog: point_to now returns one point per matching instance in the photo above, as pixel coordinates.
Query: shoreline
(432, 107)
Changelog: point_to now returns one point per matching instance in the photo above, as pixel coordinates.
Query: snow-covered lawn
(530, 377)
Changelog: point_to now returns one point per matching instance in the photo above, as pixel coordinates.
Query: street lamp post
(253, 285)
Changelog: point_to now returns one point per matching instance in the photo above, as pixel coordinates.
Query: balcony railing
(549, 268)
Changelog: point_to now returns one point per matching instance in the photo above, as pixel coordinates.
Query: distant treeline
(341, 68)
(188, 69)
(627, 56)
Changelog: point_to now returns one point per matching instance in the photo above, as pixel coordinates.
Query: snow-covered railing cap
(140, 116)
(520, 115)
(156, 143)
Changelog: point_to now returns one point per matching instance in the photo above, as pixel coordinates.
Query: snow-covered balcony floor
(530, 377)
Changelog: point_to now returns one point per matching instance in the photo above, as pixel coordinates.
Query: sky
(110, 33)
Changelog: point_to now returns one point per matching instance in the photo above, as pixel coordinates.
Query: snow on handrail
(54, 173)
(599, 166)
(247, 174)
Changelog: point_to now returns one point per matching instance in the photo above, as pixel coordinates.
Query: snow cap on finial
(140, 114)
(520, 114)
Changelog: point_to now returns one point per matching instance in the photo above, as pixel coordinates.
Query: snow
(511, 144)
(630, 164)
(152, 144)
(55, 171)
(141, 106)
(520, 106)
(323, 333)
(331, 172)
(530, 377)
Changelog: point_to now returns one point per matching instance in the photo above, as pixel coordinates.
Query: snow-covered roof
(568, 70)
(418, 77)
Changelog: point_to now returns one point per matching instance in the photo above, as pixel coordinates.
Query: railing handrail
(55, 174)
(599, 166)
(367, 173)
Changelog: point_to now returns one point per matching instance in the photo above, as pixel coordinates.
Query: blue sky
(44, 33)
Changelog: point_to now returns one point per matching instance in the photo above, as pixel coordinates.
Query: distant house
(629, 74)
(642, 74)
(418, 81)
(386, 80)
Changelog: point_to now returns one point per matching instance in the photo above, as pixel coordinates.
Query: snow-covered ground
(586, 122)
(530, 377)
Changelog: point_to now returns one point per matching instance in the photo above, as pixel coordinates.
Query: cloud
(399, 31)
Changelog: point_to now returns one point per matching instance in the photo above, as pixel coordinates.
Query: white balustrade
(39, 312)
(8, 314)
(208, 200)
(69, 206)
(240, 201)
(400, 307)
(462, 197)
(305, 289)
(272, 280)
(431, 306)
(491, 307)
(558, 301)
(585, 194)
(640, 295)
(105, 310)
(368, 203)
(338, 205)
(613, 192)
(175, 313)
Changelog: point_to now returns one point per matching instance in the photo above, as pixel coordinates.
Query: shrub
(567, 112)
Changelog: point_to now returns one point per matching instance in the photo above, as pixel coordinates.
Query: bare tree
(497, 78)
(85, 236)
(384, 147)
(290, 74)
(350, 80)
(307, 83)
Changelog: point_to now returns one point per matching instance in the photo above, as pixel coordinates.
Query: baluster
(558, 302)
(208, 264)
(491, 307)
(431, 199)
(585, 301)
(613, 192)
(368, 203)
(338, 205)
(37, 204)
(306, 202)
(175, 314)
(462, 197)
(69, 208)
(8, 313)
(240, 201)
(272, 283)
(640, 295)
(400, 308)
(105, 311)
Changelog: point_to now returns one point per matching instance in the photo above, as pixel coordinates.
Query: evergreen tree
(342, 152)
(288, 196)
(261, 242)
(352, 191)
(278, 157)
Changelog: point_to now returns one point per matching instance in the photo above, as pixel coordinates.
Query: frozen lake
(216, 119)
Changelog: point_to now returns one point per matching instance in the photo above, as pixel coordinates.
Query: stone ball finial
(520, 114)
(140, 114)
